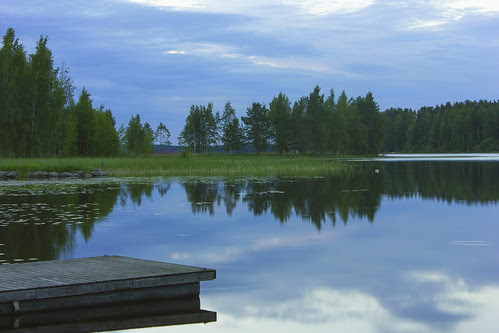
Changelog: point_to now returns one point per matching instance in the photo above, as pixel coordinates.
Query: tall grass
(186, 165)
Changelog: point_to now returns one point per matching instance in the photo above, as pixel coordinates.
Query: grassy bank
(192, 165)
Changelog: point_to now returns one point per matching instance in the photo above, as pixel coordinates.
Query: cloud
(327, 7)
(175, 52)
(208, 6)
(435, 14)
(475, 6)
(260, 7)
(447, 10)
(213, 51)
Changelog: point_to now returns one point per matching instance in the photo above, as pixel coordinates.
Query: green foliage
(138, 138)
(398, 129)
(42, 115)
(317, 125)
(162, 135)
(297, 128)
(460, 127)
(95, 131)
(257, 126)
(85, 122)
(316, 122)
(280, 122)
(13, 72)
(200, 129)
(105, 141)
(340, 140)
(38, 116)
(69, 137)
(373, 123)
(232, 136)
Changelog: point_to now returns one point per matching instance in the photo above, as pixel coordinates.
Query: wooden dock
(116, 284)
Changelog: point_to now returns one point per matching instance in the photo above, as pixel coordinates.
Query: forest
(40, 117)
(468, 126)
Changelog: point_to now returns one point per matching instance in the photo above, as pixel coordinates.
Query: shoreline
(192, 165)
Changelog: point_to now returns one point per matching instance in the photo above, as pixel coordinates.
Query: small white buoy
(376, 170)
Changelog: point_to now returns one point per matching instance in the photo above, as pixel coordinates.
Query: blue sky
(158, 57)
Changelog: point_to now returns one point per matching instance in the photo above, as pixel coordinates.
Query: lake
(397, 245)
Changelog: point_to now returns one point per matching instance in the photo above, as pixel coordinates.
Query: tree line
(314, 123)
(38, 114)
(39, 117)
(468, 126)
(345, 126)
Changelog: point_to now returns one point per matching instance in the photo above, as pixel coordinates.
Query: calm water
(392, 247)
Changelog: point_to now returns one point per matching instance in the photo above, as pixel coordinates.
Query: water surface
(400, 246)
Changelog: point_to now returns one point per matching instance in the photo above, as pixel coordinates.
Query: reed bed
(187, 165)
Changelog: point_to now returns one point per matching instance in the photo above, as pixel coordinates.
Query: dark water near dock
(392, 246)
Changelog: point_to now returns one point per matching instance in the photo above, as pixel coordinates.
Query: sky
(156, 58)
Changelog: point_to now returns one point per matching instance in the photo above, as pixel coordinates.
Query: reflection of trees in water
(136, 191)
(470, 182)
(42, 225)
(315, 199)
(353, 194)
(163, 186)
(202, 195)
(231, 194)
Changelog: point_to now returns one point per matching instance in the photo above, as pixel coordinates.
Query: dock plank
(39, 280)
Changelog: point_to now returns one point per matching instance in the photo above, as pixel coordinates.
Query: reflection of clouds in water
(246, 246)
(318, 310)
(290, 241)
(322, 305)
(220, 255)
(453, 295)
(325, 309)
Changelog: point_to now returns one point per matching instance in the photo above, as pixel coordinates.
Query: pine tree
(339, 126)
(298, 130)
(84, 123)
(280, 122)
(13, 96)
(316, 122)
(257, 126)
(373, 122)
(43, 114)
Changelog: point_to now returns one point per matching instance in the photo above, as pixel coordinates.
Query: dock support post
(16, 306)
